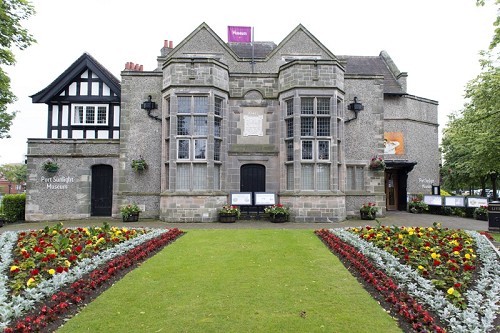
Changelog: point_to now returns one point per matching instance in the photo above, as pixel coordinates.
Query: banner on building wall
(394, 143)
(239, 34)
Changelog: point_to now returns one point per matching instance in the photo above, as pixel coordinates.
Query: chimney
(133, 67)
(165, 43)
(171, 44)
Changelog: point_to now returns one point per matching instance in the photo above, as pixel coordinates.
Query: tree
(496, 36)
(471, 141)
(14, 173)
(12, 34)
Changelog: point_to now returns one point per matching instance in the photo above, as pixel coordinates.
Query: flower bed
(58, 291)
(467, 306)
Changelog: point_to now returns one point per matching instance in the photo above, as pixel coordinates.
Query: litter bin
(494, 216)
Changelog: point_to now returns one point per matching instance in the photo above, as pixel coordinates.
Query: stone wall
(364, 139)
(416, 118)
(141, 137)
(66, 194)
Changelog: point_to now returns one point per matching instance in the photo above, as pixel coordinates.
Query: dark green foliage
(14, 206)
(12, 34)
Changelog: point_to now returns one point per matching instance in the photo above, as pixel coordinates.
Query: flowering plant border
(101, 268)
(483, 298)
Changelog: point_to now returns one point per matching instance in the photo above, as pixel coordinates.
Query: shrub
(446, 211)
(457, 211)
(14, 207)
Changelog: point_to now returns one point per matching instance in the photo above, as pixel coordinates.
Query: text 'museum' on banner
(239, 34)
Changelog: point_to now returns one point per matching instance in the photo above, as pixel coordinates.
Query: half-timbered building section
(83, 102)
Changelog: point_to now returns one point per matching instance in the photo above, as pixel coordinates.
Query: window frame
(84, 116)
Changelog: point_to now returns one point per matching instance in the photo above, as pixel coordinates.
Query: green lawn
(237, 281)
(496, 236)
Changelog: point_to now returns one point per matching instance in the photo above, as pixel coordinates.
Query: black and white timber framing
(83, 102)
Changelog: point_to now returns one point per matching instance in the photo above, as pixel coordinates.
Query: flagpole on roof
(252, 53)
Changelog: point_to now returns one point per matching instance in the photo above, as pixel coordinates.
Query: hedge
(13, 207)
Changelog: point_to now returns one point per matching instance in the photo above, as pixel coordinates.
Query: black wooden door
(253, 179)
(102, 190)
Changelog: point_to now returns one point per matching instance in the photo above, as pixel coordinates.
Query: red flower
(34, 272)
(59, 269)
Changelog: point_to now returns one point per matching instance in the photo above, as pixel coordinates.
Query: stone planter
(278, 218)
(131, 218)
(367, 216)
(228, 218)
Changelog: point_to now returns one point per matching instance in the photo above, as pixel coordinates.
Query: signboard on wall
(394, 143)
(240, 198)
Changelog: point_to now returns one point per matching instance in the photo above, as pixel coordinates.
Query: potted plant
(229, 214)
(130, 212)
(481, 213)
(417, 206)
(50, 166)
(277, 213)
(139, 164)
(377, 163)
(368, 211)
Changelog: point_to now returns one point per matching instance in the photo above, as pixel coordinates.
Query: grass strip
(237, 281)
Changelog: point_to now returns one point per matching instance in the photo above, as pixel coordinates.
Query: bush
(446, 211)
(14, 206)
(457, 211)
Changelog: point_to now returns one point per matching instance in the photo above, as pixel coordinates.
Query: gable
(203, 42)
(301, 44)
(85, 80)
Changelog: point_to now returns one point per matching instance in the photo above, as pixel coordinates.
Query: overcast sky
(437, 42)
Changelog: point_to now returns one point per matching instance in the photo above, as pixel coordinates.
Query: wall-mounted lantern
(356, 107)
(148, 106)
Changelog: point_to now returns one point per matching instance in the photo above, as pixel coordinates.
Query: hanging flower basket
(139, 164)
(377, 163)
(50, 166)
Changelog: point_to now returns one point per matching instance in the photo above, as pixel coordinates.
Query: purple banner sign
(239, 34)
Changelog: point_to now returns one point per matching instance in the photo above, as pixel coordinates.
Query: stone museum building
(217, 118)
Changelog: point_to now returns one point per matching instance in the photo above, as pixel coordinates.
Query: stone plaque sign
(252, 124)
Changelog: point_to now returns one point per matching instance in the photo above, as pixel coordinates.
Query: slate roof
(244, 50)
(373, 65)
(83, 62)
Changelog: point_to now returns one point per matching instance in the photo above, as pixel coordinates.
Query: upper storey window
(90, 114)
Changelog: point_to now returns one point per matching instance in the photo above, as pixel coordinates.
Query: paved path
(392, 218)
